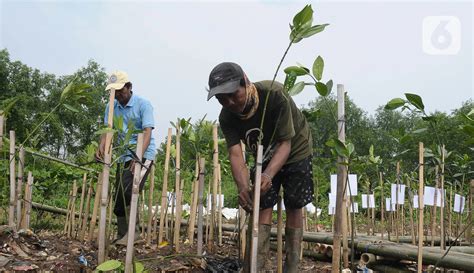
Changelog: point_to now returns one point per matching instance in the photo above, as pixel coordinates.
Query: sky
(377, 49)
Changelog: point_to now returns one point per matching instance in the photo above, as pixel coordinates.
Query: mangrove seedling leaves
(329, 86)
(296, 89)
(394, 104)
(109, 265)
(322, 89)
(303, 19)
(290, 80)
(318, 67)
(415, 100)
(313, 30)
(71, 108)
(297, 70)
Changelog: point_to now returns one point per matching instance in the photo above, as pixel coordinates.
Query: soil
(46, 251)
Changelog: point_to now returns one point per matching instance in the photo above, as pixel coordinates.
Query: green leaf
(405, 139)
(70, 108)
(469, 129)
(104, 131)
(394, 104)
(297, 70)
(350, 148)
(421, 130)
(318, 67)
(415, 100)
(341, 148)
(303, 18)
(67, 91)
(429, 118)
(139, 267)
(313, 30)
(329, 86)
(296, 89)
(8, 104)
(371, 150)
(109, 265)
(322, 89)
(289, 81)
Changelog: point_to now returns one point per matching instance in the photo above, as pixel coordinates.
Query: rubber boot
(263, 247)
(124, 240)
(293, 237)
(122, 226)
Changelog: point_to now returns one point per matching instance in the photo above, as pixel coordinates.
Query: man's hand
(99, 155)
(245, 200)
(266, 183)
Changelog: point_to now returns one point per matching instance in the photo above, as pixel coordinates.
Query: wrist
(269, 177)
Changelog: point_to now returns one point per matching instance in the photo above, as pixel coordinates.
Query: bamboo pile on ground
(164, 196)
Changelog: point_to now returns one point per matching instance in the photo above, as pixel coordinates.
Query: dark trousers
(124, 185)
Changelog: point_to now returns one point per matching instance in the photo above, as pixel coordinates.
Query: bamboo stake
(68, 215)
(105, 179)
(420, 207)
(95, 209)
(133, 207)
(243, 215)
(450, 227)
(192, 216)
(316, 199)
(215, 161)
(397, 206)
(83, 193)
(86, 213)
(2, 122)
(110, 235)
(382, 218)
(200, 194)
(433, 208)
(219, 203)
(11, 215)
(177, 218)
(443, 242)
(164, 197)
(28, 197)
(256, 210)
(73, 209)
(19, 190)
(410, 207)
(172, 218)
(150, 205)
(471, 201)
(142, 214)
(179, 210)
(340, 225)
(280, 236)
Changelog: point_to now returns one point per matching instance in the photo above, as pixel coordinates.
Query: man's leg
(263, 246)
(293, 237)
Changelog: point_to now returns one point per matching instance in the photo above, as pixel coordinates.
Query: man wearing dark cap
(287, 144)
(137, 114)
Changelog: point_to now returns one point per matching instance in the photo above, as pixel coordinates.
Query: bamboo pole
(179, 210)
(280, 235)
(105, 180)
(177, 222)
(215, 161)
(19, 189)
(142, 213)
(11, 215)
(256, 210)
(397, 206)
(202, 170)
(410, 207)
(67, 222)
(316, 201)
(2, 124)
(450, 227)
(86, 213)
(420, 207)
(95, 209)
(382, 218)
(133, 207)
(243, 228)
(172, 217)
(471, 201)
(83, 193)
(219, 204)
(340, 227)
(443, 242)
(192, 216)
(73, 209)
(28, 198)
(164, 197)
(433, 208)
(150, 205)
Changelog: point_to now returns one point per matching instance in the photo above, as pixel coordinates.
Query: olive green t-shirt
(283, 121)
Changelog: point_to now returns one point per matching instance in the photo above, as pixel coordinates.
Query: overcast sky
(168, 48)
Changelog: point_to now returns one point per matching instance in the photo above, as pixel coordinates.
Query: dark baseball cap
(225, 79)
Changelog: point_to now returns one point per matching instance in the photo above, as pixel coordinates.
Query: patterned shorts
(297, 181)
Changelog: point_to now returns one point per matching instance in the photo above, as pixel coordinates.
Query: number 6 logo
(441, 35)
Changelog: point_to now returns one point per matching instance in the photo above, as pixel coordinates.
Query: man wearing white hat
(137, 115)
